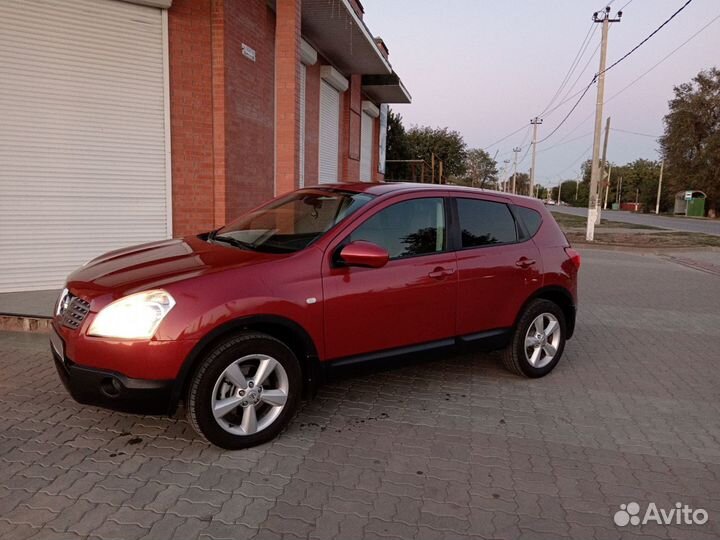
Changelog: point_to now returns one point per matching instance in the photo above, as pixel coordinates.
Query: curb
(644, 249)
(24, 323)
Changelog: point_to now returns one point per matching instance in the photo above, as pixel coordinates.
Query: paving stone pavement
(448, 449)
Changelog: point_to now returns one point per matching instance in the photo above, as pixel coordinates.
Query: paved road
(706, 226)
(453, 449)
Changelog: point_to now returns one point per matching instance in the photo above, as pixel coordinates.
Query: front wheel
(245, 391)
(538, 341)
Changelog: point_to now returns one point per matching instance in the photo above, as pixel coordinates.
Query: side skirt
(401, 356)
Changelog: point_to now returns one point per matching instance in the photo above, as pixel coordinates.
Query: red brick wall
(222, 110)
(287, 88)
(217, 21)
(312, 124)
(191, 121)
(249, 105)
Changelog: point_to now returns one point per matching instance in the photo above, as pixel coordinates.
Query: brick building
(134, 120)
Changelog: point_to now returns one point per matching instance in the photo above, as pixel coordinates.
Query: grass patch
(568, 221)
(650, 240)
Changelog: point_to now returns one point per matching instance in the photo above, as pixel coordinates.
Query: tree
(586, 170)
(639, 181)
(396, 148)
(481, 169)
(447, 145)
(691, 142)
(570, 188)
(522, 183)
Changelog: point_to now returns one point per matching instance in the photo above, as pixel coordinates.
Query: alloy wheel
(542, 340)
(250, 394)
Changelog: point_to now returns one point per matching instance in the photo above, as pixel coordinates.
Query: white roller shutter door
(329, 138)
(303, 81)
(366, 147)
(84, 149)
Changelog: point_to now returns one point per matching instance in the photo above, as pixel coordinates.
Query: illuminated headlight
(136, 316)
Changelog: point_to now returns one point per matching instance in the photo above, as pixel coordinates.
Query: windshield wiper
(233, 242)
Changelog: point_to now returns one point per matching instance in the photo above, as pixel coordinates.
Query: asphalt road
(451, 448)
(706, 226)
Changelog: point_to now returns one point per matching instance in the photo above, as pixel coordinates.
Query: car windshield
(291, 223)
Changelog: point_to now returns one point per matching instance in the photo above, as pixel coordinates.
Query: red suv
(240, 322)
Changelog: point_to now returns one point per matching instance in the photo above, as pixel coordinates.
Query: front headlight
(136, 316)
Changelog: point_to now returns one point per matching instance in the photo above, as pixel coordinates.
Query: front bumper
(109, 389)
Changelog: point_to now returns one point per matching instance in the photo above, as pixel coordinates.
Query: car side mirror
(365, 254)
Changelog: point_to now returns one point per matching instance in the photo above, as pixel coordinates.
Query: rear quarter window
(530, 218)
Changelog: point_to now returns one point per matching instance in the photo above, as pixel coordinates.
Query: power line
(584, 69)
(573, 66)
(635, 133)
(627, 54)
(636, 47)
(576, 60)
(582, 95)
(676, 49)
(527, 134)
(626, 5)
(506, 137)
(581, 156)
(527, 151)
(652, 68)
(563, 142)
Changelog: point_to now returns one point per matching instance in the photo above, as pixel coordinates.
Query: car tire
(247, 371)
(528, 354)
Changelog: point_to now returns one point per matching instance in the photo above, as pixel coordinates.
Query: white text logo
(680, 514)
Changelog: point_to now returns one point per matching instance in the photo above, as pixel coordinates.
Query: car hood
(158, 264)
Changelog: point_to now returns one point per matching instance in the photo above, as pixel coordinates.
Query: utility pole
(432, 167)
(516, 150)
(559, 190)
(503, 184)
(440, 171)
(657, 204)
(607, 187)
(602, 17)
(535, 121)
(603, 168)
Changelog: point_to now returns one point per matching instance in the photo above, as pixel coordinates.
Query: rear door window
(485, 223)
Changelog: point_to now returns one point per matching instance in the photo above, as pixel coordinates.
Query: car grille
(75, 313)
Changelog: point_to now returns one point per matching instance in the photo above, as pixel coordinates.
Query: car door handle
(524, 262)
(440, 272)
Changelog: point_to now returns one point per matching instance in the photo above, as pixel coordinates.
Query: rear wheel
(245, 391)
(538, 341)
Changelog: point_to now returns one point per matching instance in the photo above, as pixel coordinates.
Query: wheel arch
(286, 330)
(559, 296)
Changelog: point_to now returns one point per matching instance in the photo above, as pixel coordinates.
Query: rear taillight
(574, 257)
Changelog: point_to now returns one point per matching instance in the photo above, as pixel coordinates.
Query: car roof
(383, 188)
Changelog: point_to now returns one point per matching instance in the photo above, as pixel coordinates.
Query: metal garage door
(329, 133)
(303, 84)
(84, 149)
(366, 148)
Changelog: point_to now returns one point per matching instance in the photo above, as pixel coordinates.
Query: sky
(485, 67)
